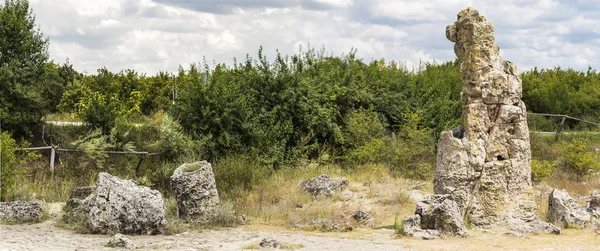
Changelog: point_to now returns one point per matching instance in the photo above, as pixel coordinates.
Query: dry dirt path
(46, 236)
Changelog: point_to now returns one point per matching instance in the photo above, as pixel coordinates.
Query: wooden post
(561, 126)
(52, 157)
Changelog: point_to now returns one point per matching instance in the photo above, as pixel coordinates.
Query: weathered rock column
(485, 163)
(195, 189)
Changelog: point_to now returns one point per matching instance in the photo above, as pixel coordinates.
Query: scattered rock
(325, 225)
(346, 195)
(564, 211)
(515, 234)
(119, 240)
(269, 242)
(594, 204)
(534, 226)
(440, 212)
(411, 226)
(121, 206)
(21, 211)
(195, 190)
(364, 217)
(324, 185)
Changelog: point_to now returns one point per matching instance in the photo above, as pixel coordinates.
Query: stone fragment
(533, 226)
(324, 185)
(269, 242)
(515, 234)
(121, 206)
(564, 211)
(21, 211)
(440, 212)
(411, 226)
(195, 190)
(120, 241)
(364, 217)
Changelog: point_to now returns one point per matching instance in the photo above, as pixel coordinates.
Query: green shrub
(10, 168)
(579, 159)
(540, 169)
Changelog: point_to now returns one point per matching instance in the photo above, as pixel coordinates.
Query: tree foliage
(23, 57)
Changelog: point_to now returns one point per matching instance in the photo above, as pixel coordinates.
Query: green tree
(23, 54)
(579, 159)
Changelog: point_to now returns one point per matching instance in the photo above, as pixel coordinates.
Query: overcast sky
(154, 35)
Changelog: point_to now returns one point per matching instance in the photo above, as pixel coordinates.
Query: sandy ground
(46, 236)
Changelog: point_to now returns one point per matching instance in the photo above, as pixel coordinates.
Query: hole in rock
(500, 157)
(458, 133)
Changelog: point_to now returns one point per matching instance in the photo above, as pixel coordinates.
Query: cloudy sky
(154, 35)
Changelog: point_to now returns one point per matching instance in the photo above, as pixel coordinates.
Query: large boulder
(324, 185)
(21, 211)
(195, 189)
(440, 212)
(564, 211)
(594, 204)
(121, 206)
(78, 195)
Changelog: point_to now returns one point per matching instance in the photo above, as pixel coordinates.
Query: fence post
(561, 125)
(52, 157)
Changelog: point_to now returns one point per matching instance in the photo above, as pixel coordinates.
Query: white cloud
(154, 35)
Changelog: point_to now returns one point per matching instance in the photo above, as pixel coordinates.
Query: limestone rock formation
(593, 206)
(564, 211)
(485, 163)
(412, 227)
(78, 195)
(195, 190)
(121, 206)
(324, 185)
(441, 213)
(21, 211)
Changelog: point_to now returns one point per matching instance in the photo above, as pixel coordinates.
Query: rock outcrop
(564, 211)
(364, 217)
(120, 206)
(324, 185)
(195, 190)
(21, 211)
(441, 213)
(484, 165)
(593, 206)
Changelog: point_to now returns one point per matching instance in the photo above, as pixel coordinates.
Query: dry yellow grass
(278, 201)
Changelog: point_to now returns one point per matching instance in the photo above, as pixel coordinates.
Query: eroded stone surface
(21, 211)
(121, 206)
(269, 242)
(594, 204)
(485, 164)
(564, 211)
(441, 213)
(324, 185)
(120, 241)
(195, 190)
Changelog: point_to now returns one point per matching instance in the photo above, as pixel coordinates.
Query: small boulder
(121, 206)
(532, 227)
(21, 211)
(269, 242)
(120, 241)
(564, 211)
(440, 212)
(515, 234)
(594, 204)
(364, 217)
(324, 185)
(195, 190)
